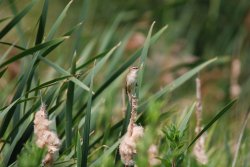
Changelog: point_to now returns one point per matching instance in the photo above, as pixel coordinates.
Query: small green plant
(30, 156)
(176, 142)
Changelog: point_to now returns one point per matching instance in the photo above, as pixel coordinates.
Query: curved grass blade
(220, 114)
(16, 19)
(42, 23)
(240, 138)
(2, 72)
(4, 19)
(21, 131)
(17, 102)
(100, 64)
(82, 16)
(176, 83)
(11, 44)
(49, 83)
(143, 58)
(64, 72)
(58, 22)
(109, 32)
(184, 122)
(32, 50)
(91, 60)
(98, 161)
(85, 147)
(6, 53)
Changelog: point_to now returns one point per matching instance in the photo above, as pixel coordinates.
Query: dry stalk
(199, 148)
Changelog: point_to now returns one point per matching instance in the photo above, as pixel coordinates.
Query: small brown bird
(131, 80)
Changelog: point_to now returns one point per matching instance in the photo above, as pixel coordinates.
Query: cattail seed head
(199, 151)
(127, 148)
(199, 148)
(45, 138)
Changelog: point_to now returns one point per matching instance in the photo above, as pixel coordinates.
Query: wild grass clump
(108, 101)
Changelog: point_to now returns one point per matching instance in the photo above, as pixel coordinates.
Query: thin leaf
(100, 64)
(178, 82)
(6, 53)
(79, 151)
(99, 160)
(4, 19)
(64, 72)
(2, 72)
(144, 57)
(220, 114)
(58, 22)
(186, 118)
(16, 19)
(69, 106)
(240, 139)
(91, 60)
(11, 44)
(42, 23)
(32, 50)
(49, 83)
(86, 133)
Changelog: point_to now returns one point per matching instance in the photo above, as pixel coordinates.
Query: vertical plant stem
(85, 146)
(69, 106)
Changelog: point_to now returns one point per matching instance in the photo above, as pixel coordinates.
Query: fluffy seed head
(45, 138)
(127, 148)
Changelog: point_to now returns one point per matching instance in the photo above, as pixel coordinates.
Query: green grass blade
(32, 50)
(42, 23)
(69, 106)
(86, 132)
(6, 53)
(64, 72)
(109, 32)
(2, 72)
(91, 60)
(144, 57)
(184, 122)
(49, 83)
(79, 151)
(98, 161)
(240, 139)
(4, 19)
(16, 19)
(21, 131)
(100, 64)
(58, 22)
(220, 114)
(81, 18)
(11, 44)
(178, 82)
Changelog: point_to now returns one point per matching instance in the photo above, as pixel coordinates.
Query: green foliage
(30, 156)
(176, 142)
(70, 55)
